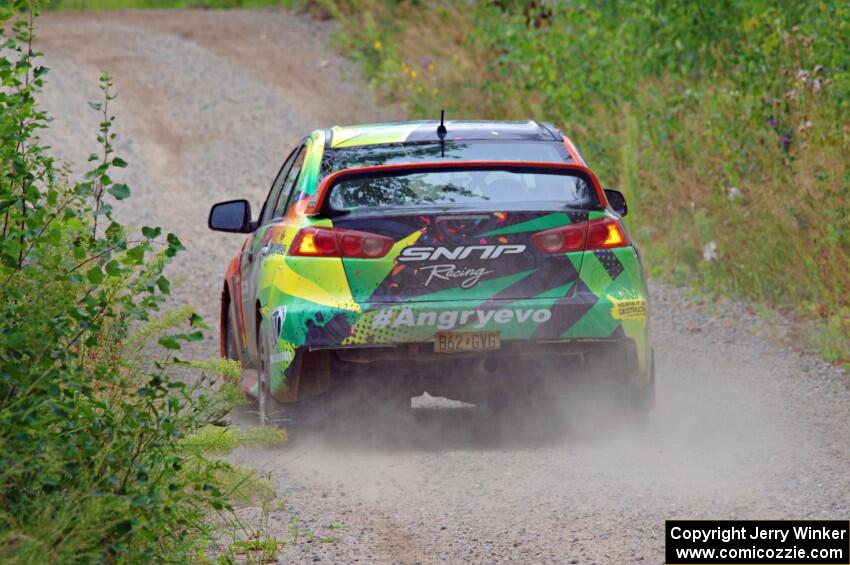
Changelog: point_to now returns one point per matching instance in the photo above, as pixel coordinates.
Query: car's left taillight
(330, 242)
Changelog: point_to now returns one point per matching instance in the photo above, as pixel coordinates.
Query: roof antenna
(441, 133)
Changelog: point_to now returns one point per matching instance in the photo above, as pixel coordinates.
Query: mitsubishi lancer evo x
(469, 260)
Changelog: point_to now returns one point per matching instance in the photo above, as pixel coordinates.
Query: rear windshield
(369, 155)
(461, 189)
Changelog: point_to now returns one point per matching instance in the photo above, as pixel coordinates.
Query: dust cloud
(700, 441)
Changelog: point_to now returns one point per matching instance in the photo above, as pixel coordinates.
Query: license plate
(454, 342)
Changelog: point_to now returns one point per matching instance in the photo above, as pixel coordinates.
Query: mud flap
(309, 374)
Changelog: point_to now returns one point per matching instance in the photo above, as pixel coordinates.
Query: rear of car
(486, 263)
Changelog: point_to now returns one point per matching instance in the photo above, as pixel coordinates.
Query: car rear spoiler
(315, 204)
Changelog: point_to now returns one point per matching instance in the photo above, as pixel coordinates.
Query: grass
(162, 4)
(245, 486)
(212, 439)
(268, 436)
(220, 440)
(258, 542)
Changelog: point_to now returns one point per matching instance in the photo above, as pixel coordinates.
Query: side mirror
(232, 216)
(617, 201)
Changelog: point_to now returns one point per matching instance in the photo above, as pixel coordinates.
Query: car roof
(426, 130)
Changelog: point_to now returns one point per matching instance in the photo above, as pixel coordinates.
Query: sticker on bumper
(628, 309)
(449, 319)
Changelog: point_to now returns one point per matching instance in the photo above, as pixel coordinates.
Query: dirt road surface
(746, 427)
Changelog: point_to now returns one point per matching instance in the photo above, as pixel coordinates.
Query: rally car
(470, 260)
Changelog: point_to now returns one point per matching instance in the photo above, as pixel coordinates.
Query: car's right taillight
(606, 233)
(602, 233)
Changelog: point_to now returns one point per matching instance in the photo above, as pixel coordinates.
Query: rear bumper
(404, 332)
(557, 368)
(583, 316)
(425, 353)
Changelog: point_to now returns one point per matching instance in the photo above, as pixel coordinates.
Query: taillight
(330, 242)
(606, 233)
(603, 233)
(561, 239)
(315, 242)
(363, 245)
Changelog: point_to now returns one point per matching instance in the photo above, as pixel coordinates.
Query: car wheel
(269, 409)
(230, 346)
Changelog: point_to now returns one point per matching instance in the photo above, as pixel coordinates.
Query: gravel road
(747, 426)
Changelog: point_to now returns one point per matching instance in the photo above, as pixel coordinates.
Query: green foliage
(162, 4)
(244, 486)
(218, 439)
(726, 123)
(92, 468)
(212, 439)
(267, 436)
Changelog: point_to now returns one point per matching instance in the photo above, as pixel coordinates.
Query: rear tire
(230, 346)
(269, 409)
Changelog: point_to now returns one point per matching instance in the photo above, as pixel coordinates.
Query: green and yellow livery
(472, 260)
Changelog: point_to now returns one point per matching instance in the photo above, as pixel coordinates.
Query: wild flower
(709, 251)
